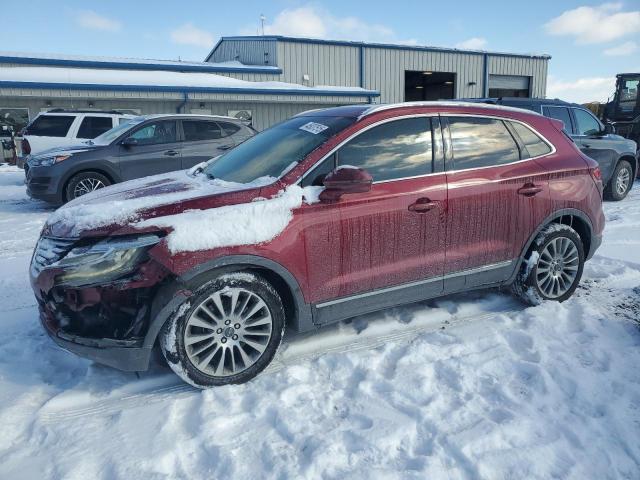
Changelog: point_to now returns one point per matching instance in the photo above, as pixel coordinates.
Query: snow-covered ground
(472, 386)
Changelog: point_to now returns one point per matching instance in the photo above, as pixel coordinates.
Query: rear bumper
(129, 355)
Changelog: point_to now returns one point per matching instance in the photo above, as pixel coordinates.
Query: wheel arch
(297, 311)
(576, 219)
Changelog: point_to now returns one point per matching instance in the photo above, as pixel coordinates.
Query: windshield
(629, 94)
(274, 150)
(110, 135)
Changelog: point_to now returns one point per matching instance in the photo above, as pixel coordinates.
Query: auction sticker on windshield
(313, 127)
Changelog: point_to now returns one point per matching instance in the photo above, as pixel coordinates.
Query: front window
(629, 94)
(275, 150)
(110, 135)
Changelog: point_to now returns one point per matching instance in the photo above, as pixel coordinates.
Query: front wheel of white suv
(227, 332)
(553, 267)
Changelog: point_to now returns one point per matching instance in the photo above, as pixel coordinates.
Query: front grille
(48, 251)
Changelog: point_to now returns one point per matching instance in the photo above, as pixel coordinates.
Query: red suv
(330, 214)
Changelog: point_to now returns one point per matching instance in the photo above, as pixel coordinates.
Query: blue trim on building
(178, 89)
(215, 47)
(391, 46)
(124, 65)
(485, 76)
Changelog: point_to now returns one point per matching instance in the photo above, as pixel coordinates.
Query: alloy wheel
(622, 181)
(87, 185)
(228, 332)
(557, 267)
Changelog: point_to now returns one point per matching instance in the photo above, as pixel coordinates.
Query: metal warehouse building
(263, 78)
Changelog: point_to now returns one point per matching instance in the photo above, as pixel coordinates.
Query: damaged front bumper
(107, 323)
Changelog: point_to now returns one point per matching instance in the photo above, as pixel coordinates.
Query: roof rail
(73, 110)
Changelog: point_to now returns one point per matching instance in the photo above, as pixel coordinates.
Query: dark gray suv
(617, 156)
(143, 146)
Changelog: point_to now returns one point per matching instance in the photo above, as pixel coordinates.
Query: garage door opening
(508, 86)
(428, 86)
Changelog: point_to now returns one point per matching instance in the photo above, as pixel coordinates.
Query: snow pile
(122, 203)
(243, 224)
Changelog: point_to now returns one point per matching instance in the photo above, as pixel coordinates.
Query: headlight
(48, 161)
(103, 262)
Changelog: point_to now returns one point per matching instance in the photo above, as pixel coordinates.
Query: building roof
(55, 60)
(393, 46)
(66, 78)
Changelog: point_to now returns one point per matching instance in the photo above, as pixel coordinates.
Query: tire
(541, 266)
(83, 183)
(620, 183)
(205, 341)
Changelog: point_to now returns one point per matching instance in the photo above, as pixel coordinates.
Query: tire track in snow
(404, 334)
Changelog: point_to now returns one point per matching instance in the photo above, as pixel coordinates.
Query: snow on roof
(46, 59)
(113, 79)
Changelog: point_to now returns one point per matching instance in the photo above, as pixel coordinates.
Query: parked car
(142, 146)
(60, 128)
(617, 156)
(330, 214)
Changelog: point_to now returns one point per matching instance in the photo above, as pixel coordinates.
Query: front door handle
(529, 190)
(171, 153)
(423, 205)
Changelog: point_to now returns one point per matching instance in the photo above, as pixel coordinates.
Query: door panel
(157, 151)
(591, 139)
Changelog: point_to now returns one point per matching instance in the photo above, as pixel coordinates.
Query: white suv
(61, 128)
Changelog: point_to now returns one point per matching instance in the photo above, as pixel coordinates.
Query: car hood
(123, 205)
(70, 150)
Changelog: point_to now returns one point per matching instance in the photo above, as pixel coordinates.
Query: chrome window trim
(419, 115)
(380, 291)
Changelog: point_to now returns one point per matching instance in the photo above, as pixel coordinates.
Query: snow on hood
(244, 224)
(123, 202)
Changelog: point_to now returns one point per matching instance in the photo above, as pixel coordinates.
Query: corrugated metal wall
(325, 64)
(385, 69)
(249, 52)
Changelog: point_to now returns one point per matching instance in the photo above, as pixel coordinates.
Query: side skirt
(346, 307)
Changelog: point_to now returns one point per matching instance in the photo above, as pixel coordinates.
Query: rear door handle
(171, 153)
(529, 190)
(423, 205)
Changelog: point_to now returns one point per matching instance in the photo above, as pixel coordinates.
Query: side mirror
(609, 128)
(344, 180)
(129, 142)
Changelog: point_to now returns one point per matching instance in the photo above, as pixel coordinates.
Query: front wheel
(553, 267)
(621, 182)
(227, 332)
(85, 182)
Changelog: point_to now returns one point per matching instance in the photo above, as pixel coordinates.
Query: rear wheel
(85, 182)
(553, 268)
(621, 181)
(228, 332)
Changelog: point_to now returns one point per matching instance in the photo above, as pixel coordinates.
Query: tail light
(26, 148)
(596, 173)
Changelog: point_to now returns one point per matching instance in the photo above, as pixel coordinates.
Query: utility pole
(262, 19)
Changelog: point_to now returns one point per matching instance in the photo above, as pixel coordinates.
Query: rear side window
(51, 125)
(559, 113)
(586, 123)
(481, 142)
(198, 130)
(91, 127)
(228, 128)
(534, 145)
(393, 150)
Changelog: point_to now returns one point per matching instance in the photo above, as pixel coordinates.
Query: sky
(589, 41)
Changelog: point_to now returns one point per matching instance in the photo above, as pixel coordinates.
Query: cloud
(189, 34)
(626, 48)
(93, 21)
(589, 25)
(474, 43)
(581, 90)
(309, 21)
